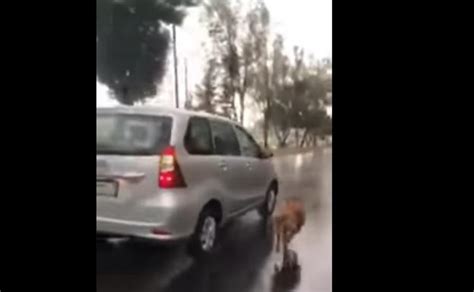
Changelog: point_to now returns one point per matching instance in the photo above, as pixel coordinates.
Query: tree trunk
(265, 130)
(281, 135)
(303, 140)
(297, 137)
(285, 138)
(278, 135)
(266, 124)
(266, 93)
(242, 108)
(125, 97)
(282, 141)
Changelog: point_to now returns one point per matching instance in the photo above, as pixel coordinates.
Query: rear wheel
(266, 210)
(205, 236)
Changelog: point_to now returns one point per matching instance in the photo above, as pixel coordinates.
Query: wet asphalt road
(245, 260)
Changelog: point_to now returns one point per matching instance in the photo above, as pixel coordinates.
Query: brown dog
(287, 223)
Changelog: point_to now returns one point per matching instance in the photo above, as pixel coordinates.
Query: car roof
(160, 110)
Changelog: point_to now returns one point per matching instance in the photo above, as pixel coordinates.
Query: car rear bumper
(144, 230)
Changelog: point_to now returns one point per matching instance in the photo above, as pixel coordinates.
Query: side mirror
(266, 153)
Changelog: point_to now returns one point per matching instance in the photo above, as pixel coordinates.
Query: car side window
(225, 140)
(197, 139)
(248, 146)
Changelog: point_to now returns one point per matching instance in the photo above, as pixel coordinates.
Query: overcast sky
(306, 23)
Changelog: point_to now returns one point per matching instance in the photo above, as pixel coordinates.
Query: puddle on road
(298, 160)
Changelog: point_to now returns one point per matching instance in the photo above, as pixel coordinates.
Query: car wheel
(204, 240)
(266, 210)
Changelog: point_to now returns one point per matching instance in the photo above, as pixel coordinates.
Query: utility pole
(187, 97)
(176, 88)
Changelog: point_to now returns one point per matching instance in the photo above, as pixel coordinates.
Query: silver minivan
(168, 174)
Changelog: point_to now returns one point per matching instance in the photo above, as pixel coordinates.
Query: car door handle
(248, 165)
(223, 165)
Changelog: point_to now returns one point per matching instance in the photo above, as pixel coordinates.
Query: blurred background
(265, 64)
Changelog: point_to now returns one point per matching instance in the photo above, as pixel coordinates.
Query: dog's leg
(278, 235)
(278, 240)
(295, 261)
(285, 254)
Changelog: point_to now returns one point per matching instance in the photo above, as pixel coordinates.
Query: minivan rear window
(125, 134)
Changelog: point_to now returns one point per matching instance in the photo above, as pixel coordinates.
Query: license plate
(107, 189)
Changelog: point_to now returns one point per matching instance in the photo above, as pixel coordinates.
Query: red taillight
(158, 231)
(170, 175)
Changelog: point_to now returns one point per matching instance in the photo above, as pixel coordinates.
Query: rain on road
(245, 260)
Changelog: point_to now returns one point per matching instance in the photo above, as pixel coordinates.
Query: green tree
(229, 28)
(312, 91)
(206, 91)
(132, 44)
(279, 118)
(261, 91)
(280, 91)
(221, 19)
(300, 103)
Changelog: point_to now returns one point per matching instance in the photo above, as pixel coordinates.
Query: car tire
(204, 239)
(266, 210)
